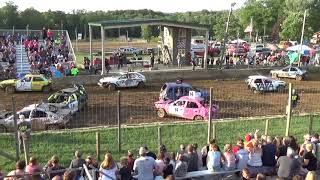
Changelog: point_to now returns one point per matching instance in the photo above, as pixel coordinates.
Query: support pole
(76, 35)
(102, 51)
(205, 57)
(210, 115)
(159, 136)
(26, 149)
(15, 128)
(266, 127)
(98, 145)
(90, 44)
(119, 121)
(311, 124)
(302, 33)
(289, 110)
(214, 130)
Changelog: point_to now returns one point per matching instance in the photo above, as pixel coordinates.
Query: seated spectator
(236, 148)
(242, 157)
(19, 172)
(144, 166)
(33, 165)
(192, 159)
(230, 158)
(199, 154)
(288, 166)
(125, 171)
(78, 162)
(268, 153)
(312, 175)
(245, 174)
(54, 166)
(307, 140)
(181, 168)
(215, 158)
(108, 168)
(309, 159)
(168, 168)
(130, 160)
(255, 154)
(69, 175)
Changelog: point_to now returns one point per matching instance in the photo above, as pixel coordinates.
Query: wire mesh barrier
(141, 125)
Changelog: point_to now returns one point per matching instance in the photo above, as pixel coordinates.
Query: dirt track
(233, 97)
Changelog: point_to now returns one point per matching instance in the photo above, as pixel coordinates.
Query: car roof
(33, 75)
(174, 84)
(258, 76)
(68, 90)
(187, 98)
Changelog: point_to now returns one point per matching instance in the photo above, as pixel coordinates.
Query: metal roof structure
(111, 24)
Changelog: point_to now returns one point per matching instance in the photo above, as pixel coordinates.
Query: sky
(168, 6)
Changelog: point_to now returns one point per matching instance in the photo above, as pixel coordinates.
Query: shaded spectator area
(176, 38)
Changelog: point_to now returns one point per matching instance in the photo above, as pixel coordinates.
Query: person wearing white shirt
(144, 166)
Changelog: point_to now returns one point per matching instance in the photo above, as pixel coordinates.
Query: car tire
(53, 127)
(198, 117)
(299, 78)
(161, 113)
(256, 91)
(46, 89)
(3, 129)
(112, 87)
(280, 88)
(141, 85)
(10, 90)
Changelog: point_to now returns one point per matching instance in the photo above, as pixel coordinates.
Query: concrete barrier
(171, 75)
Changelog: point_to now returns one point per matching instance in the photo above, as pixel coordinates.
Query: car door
(259, 84)
(268, 86)
(132, 80)
(122, 80)
(191, 110)
(37, 83)
(177, 108)
(24, 84)
(38, 119)
(284, 72)
(292, 72)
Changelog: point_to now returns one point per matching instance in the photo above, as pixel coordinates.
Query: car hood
(9, 81)
(109, 79)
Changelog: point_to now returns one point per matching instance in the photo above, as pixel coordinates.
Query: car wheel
(46, 89)
(141, 85)
(197, 117)
(299, 78)
(53, 127)
(10, 89)
(112, 87)
(256, 91)
(3, 129)
(161, 113)
(280, 88)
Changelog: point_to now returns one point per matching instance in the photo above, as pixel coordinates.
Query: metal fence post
(214, 128)
(26, 149)
(119, 122)
(289, 110)
(266, 127)
(210, 115)
(311, 124)
(159, 136)
(15, 128)
(98, 145)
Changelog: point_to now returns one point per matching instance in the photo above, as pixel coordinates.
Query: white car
(42, 117)
(130, 50)
(123, 80)
(260, 84)
(289, 72)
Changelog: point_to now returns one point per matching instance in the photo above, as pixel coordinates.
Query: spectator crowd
(254, 157)
(7, 56)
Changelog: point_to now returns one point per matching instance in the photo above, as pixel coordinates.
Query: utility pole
(302, 33)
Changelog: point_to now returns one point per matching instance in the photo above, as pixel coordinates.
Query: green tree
(146, 32)
(32, 17)
(9, 15)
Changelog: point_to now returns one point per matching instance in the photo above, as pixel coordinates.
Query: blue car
(175, 90)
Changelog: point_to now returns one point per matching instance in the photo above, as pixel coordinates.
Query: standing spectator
(150, 154)
(144, 165)
(199, 154)
(54, 166)
(86, 64)
(24, 131)
(78, 162)
(125, 171)
(288, 165)
(130, 160)
(309, 159)
(182, 150)
(108, 168)
(33, 166)
(192, 159)
(268, 153)
(255, 154)
(160, 163)
(230, 158)
(236, 148)
(168, 168)
(92, 163)
(44, 33)
(312, 175)
(179, 60)
(152, 60)
(181, 168)
(19, 172)
(214, 159)
(303, 149)
(242, 157)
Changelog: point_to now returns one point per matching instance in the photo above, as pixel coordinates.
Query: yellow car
(30, 82)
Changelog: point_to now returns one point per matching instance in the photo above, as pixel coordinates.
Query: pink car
(186, 107)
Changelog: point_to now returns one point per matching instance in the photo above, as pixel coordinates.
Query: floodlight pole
(301, 40)
(226, 36)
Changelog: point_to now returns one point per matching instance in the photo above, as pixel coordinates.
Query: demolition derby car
(260, 84)
(41, 118)
(188, 107)
(74, 98)
(30, 82)
(123, 80)
(289, 72)
(175, 90)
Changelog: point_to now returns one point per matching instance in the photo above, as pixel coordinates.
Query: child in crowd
(230, 158)
(214, 158)
(125, 171)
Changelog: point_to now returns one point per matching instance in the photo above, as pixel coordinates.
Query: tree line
(279, 19)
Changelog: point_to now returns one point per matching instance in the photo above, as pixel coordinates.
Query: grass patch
(63, 144)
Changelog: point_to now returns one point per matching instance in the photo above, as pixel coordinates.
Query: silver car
(289, 72)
